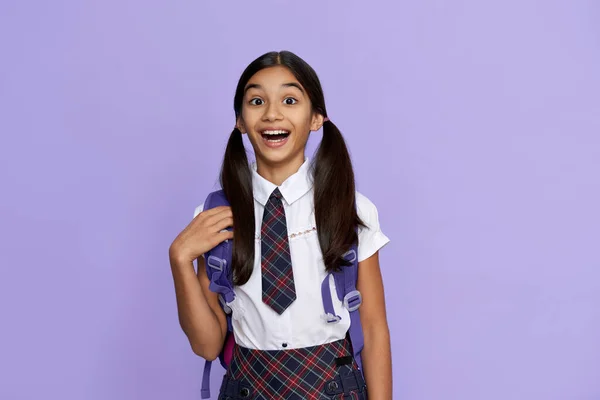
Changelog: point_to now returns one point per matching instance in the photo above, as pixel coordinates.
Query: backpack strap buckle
(351, 253)
(216, 263)
(353, 300)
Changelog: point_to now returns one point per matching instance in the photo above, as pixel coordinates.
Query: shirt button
(284, 345)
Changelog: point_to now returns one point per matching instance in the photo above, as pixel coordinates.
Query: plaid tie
(278, 290)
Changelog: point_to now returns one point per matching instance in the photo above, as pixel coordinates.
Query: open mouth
(275, 135)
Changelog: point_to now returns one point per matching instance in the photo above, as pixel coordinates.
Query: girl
(293, 221)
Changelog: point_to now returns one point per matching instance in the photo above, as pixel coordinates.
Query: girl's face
(277, 116)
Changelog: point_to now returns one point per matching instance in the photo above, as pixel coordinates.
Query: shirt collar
(294, 187)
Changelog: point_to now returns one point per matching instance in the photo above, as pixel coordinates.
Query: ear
(316, 122)
(240, 125)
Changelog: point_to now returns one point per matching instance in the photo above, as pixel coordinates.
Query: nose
(272, 112)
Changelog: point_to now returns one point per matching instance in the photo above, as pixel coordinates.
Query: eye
(256, 101)
(290, 100)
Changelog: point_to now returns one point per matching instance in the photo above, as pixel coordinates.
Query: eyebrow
(286, 85)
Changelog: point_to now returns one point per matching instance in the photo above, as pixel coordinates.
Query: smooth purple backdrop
(474, 127)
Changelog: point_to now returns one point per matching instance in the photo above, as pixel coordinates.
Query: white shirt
(256, 325)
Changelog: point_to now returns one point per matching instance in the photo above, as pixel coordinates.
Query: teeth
(278, 132)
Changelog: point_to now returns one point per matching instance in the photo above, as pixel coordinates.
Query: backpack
(220, 274)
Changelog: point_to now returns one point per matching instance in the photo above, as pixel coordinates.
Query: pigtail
(334, 198)
(236, 181)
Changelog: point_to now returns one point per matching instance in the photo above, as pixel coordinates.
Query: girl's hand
(205, 232)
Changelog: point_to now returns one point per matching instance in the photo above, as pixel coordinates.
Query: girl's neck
(278, 173)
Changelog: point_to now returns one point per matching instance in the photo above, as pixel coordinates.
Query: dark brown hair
(331, 168)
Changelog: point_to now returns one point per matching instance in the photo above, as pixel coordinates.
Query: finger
(211, 219)
(215, 210)
(223, 223)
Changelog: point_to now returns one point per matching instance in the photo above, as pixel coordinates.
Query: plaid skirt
(323, 372)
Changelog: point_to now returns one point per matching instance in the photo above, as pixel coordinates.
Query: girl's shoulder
(363, 201)
(367, 210)
(370, 237)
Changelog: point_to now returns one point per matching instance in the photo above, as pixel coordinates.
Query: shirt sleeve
(370, 238)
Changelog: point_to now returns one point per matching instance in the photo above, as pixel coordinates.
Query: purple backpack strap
(345, 284)
(218, 269)
(352, 300)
